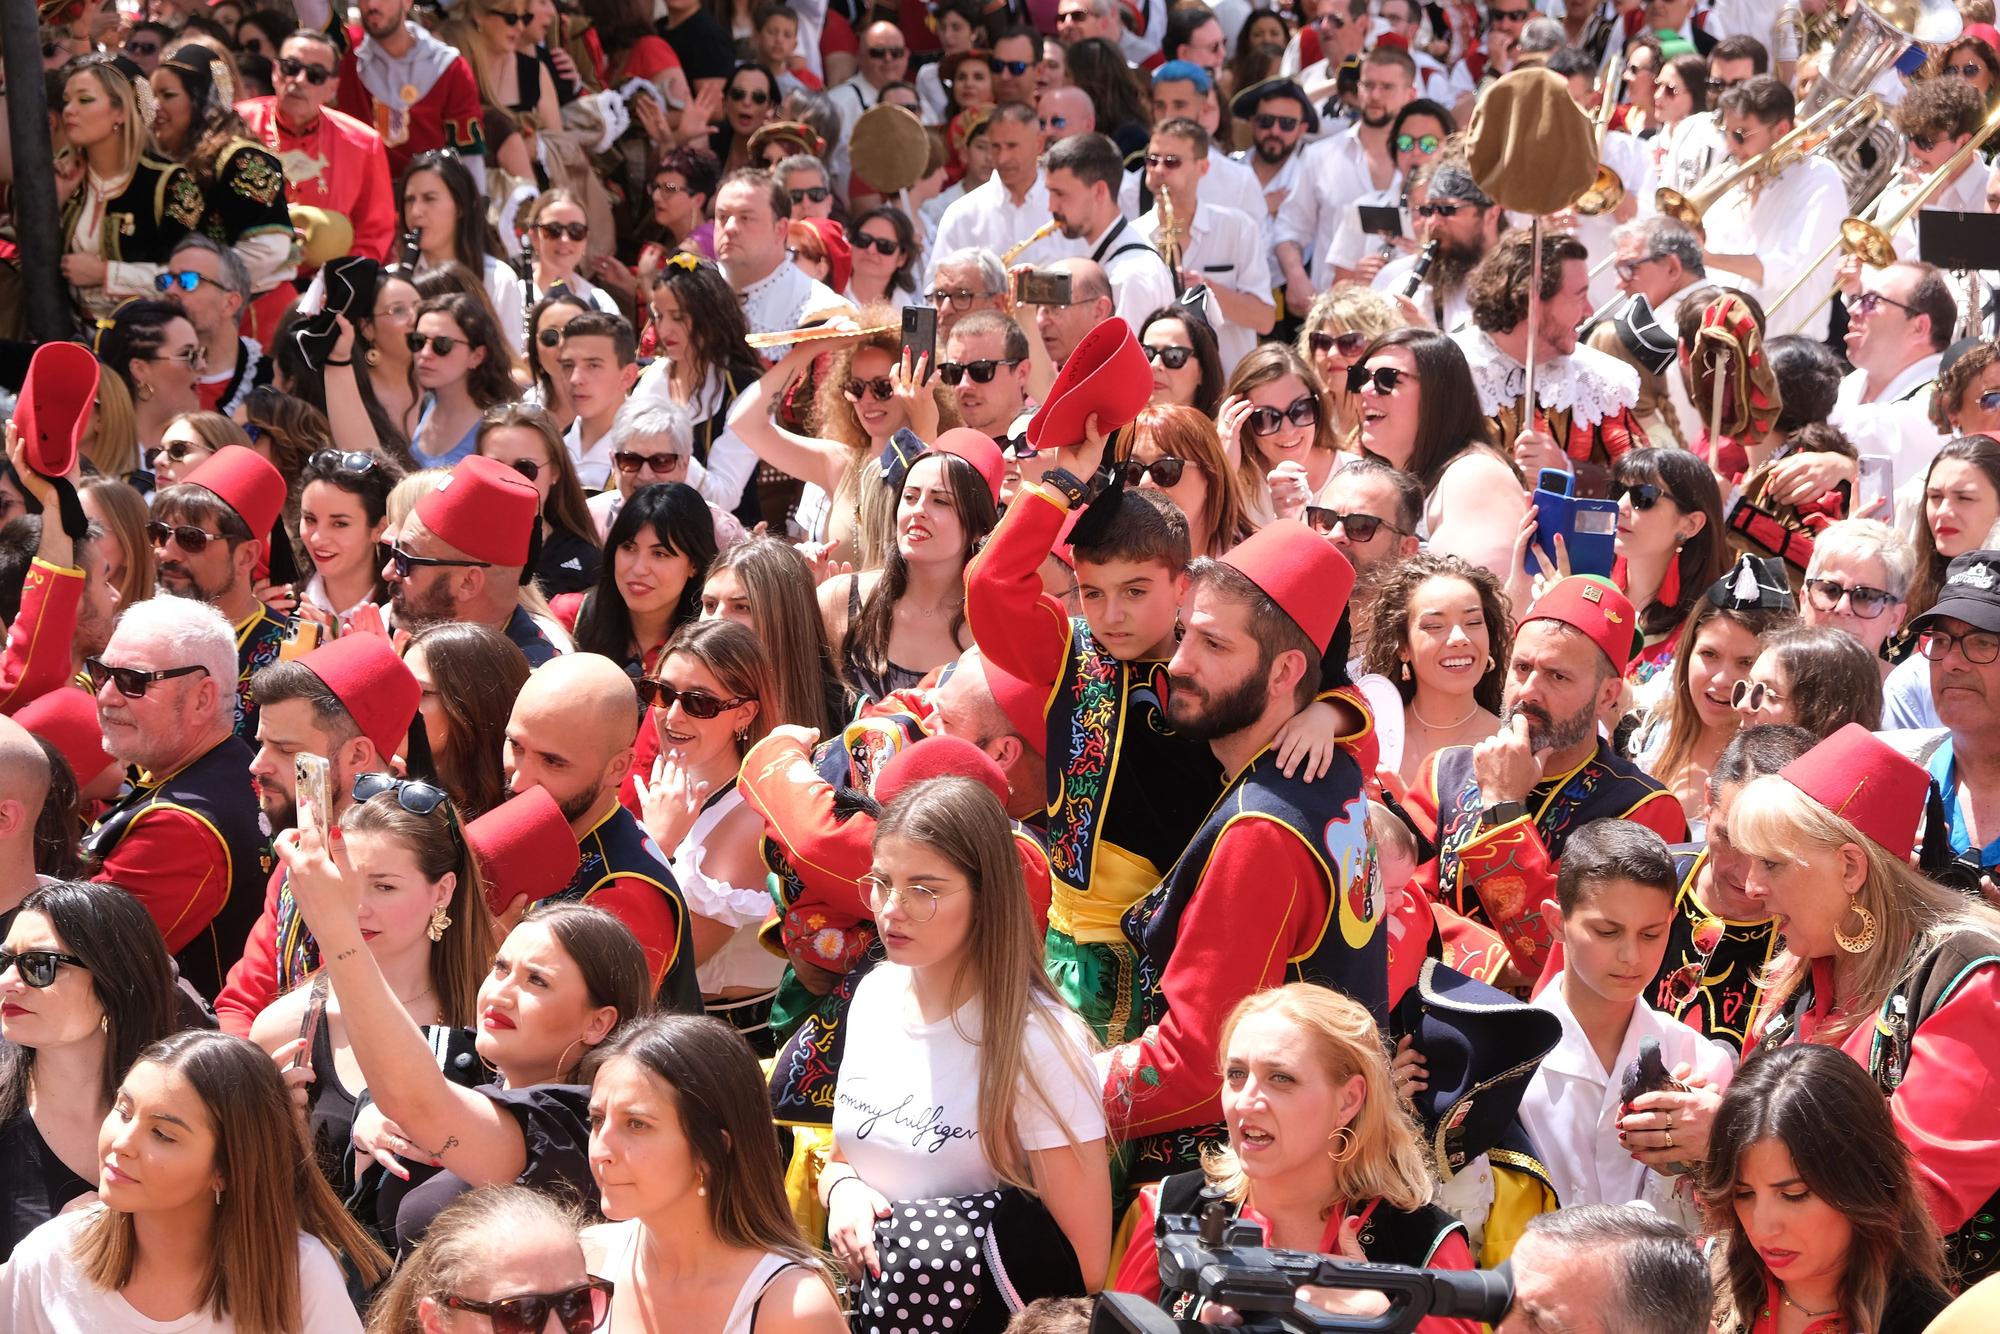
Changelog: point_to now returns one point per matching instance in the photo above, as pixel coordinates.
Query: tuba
(1875, 35)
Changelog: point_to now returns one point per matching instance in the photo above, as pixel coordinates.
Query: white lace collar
(1589, 384)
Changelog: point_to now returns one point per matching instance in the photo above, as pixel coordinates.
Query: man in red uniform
(331, 160)
(417, 92)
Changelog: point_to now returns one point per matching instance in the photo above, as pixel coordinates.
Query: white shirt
(1571, 1107)
(906, 1105)
(1895, 422)
(1754, 18)
(730, 464)
(1690, 150)
(44, 1291)
(987, 216)
(1792, 221)
(1334, 175)
(1226, 182)
(1286, 177)
(593, 464)
(1140, 283)
(1457, 308)
(1226, 247)
(782, 299)
(741, 961)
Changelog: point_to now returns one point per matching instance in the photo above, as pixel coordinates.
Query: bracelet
(331, 362)
(851, 1176)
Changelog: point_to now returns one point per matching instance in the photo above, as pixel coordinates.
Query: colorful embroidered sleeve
(464, 120)
(1015, 622)
(36, 659)
(175, 863)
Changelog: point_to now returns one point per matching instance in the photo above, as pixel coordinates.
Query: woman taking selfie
(1441, 632)
(343, 512)
(469, 675)
(86, 984)
(525, 439)
(701, 1234)
(212, 1215)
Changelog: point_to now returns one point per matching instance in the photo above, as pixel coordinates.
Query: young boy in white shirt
(1613, 910)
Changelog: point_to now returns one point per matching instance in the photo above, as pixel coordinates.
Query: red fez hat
(67, 720)
(978, 449)
(1596, 607)
(525, 849)
(1866, 782)
(53, 412)
(1025, 706)
(938, 757)
(1108, 375)
(247, 482)
(1300, 571)
(374, 686)
(485, 509)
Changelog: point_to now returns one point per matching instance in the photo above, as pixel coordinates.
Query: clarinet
(1429, 253)
(407, 261)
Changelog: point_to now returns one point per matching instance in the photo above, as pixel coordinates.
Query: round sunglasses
(441, 344)
(1383, 378)
(1866, 602)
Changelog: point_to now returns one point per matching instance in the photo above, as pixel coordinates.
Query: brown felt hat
(1530, 145)
(889, 148)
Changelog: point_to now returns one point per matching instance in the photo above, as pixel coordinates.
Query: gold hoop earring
(1349, 1146)
(145, 392)
(439, 921)
(562, 1064)
(1863, 940)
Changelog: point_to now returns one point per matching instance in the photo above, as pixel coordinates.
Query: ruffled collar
(1589, 384)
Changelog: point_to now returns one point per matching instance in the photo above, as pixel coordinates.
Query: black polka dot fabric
(933, 1270)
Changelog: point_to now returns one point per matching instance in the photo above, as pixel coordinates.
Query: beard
(1270, 148)
(1071, 231)
(415, 611)
(1454, 264)
(575, 807)
(1195, 714)
(180, 581)
(1546, 733)
(280, 810)
(1377, 120)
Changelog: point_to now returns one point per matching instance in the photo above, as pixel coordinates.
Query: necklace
(407, 1001)
(1786, 1298)
(1443, 727)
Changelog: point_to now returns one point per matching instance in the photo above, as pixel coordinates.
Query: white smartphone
(1878, 482)
(315, 791)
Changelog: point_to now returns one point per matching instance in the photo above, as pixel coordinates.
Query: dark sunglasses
(1508, 15)
(1427, 142)
(132, 682)
(550, 337)
(343, 460)
(193, 540)
(887, 52)
(412, 794)
(1014, 67)
(881, 386)
(1644, 495)
(982, 372)
(1923, 143)
(754, 96)
(441, 344)
(1717, 87)
(1870, 302)
(528, 468)
(1054, 123)
(1384, 378)
(1302, 411)
(1073, 16)
(1165, 161)
(1173, 358)
(153, 49)
(1990, 400)
(881, 245)
(1867, 602)
(694, 703)
(316, 75)
(816, 193)
(628, 462)
(1347, 344)
(1165, 471)
(557, 231)
(404, 562)
(511, 20)
(579, 1310)
(178, 451)
(37, 968)
(1270, 122)
(1358, 527)
(1969, 70)
(1438, 210)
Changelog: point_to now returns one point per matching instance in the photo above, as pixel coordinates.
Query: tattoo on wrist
(347, 954)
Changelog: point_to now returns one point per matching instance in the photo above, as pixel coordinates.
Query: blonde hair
(1353, 308)
(457, 1248)
(135, 138)
(403, 497)
(111, 442)
(1387, 1158)
(1773, 819)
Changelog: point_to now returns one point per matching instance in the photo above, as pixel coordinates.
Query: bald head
(571, 732)
(1066, 111)
(967, 709)
(24, 773)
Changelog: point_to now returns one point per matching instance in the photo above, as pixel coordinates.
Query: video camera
(1223, 1259)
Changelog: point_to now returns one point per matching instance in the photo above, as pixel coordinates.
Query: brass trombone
(1832, 122)
(1607, 192)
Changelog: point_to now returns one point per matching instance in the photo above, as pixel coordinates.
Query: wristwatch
(1502, 812)
(1073, 489)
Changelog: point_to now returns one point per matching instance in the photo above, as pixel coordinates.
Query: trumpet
(1836, 120)
(1041, 233)
(1607, 192)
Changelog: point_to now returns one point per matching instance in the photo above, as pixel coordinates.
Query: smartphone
(1038, 288)
(1589, 528)
(315, 791)
(1381, 220)
(920, 334)
(1877, 482)
(314, 1017)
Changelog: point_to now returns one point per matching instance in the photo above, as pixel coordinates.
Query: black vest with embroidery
(159, 205)
(1713, 991)
(618, 849)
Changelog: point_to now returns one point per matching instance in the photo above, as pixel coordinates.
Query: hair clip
(682, 259)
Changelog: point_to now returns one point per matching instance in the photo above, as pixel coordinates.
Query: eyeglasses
(37, 968)
(1073, 16)
(627, 462)
(550, 337)
(881, 245)
(1684, 981)
(1865, 602)
(1164, 161)
(1628, 269)
(440, 344)
(1665, 89)
(669, 188)
(920, 902)
(558, 231)
(1978, 646)
(1721, 85)
(1742, 137)
(579, 1310)
(1347, 344)
(816, 193)
(132, 682)
(177, 452)
(1970, 70)
(1644, 495)
(185, 279)
(403, 562)
(887, 52)
(1508, 15)
(1014, 67)
(1285, 123)
(316, 75)
(1923, 143)
(1301, 411)
(343, 460)
(1990, 400)
(1384, 378)
(982, 371)
(754, 96)
(694, 703)
(1427, 142)
(1164, 472)
(960, 296)
(194, 358)
(882, 387)
(1749, 696)
(1869, 302)
(511, 20)
(1173, 358)
(1358, 527)
(192, 540)
(1438, 210)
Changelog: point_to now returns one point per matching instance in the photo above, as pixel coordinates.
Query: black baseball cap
(1971, 593)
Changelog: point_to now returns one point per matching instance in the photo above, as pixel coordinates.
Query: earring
(700, 1189)
(372, 357)
(1490, 663)
(218, 1195)
(439, 921)
(145, 392)
(1348, 1145)
(104, 1023)
(1862, 941)
(1406, 669)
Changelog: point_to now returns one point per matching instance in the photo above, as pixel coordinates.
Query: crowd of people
(733, 665)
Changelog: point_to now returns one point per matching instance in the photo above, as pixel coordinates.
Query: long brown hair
(273, 1191)
(1832, 1119)
(961, 820)
(125, 514)
(460, 958)
(734, 656)
(475, 672)
(457, 1249)
(613, 966)
(1983, 453)
(1263, 364)
(778, 586)
(1184, 433)
(1684, 725)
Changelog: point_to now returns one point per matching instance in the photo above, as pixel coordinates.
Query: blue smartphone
(1589, 528)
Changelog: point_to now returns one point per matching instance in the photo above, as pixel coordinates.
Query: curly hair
(1948, 396)
(1389, 622)
(1498, 288)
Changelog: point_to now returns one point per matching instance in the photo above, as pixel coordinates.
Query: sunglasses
(440, 344)
(1173, 358)
(887, 52)
(1347, 344)
(528, 468)
(1163, 471)
(881, 245)
(816, 193)
(694, 703)
(1302, 411)
(1073, 16)
(143, 49)
(132, 682)
(1014, 67)
(194, 358)
(316, 75)
(183, 279)
(550, 337)
(1384, 378)
(511, 20)
(1644, 495)
(37, 968)
(1966, 71)
(1665, 89)
(1923, 143)
(1866, 602)
(754, 96)
(982, 371)
(412, 794)
(627, 462)
(1749, 696)
(578, 1310)
(1427, 142)
(1054, 123)
(177, 452)
(1358, 527)
(1684, 981)
(669, 188)
(1870, 302)
(1284, 123)
(193, 540)
(1978, 646)
(1721, 85)
(1332, 22)
(1438, 210)
(1741, 137)
(559, 231)
(1990, 400)
(1508, 15)
(881, 386)
(1164, 161)
(403, 562)
(343, 460)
